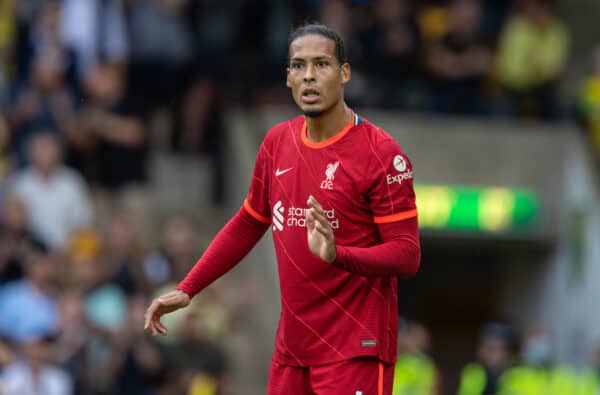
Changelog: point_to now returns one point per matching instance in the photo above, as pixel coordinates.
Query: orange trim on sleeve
(380, 381)
(336, 137)
(255, 214)
(396, 217)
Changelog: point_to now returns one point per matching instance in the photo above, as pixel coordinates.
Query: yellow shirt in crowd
(530, 56)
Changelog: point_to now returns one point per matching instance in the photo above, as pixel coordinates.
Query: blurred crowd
(72, 303)
(116, 80)
(90, 89)
(503, 363)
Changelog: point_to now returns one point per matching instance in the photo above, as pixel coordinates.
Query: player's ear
(345, 72)
(287, 77)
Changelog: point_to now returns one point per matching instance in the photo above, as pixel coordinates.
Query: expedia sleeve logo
(399, 164)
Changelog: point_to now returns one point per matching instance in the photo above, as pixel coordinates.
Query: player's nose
(309, 75)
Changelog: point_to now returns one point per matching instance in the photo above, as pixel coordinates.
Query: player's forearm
(398, 255)
(393, 258)
(229, 247)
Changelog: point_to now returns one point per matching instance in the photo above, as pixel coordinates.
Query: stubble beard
(313, 114)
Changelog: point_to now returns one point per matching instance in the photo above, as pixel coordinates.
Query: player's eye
(297, 66)
(322, 64)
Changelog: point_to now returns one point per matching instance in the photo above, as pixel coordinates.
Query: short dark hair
(503, 332)
(320, 30)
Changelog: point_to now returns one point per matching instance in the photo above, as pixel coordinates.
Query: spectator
(495, 355)
(137, 359)
(28, 307)
(73, 337)
(271, 39)
(85, 243)
(16, 240)
(532, 55)
(537, 348)
(34, 373)
(390, 55)
(25, 15)
(201, 363)
(104, 302)
(217, 34)
(96, 31)
(44, 37)
(104, 311)
(460, 61)
(55, 196)
(124, 253)
(111, 146)
(167, 51)
(538, 354)
(42, 103)
(589, 105)
(539, 372)
(415, 372)
(175, 254)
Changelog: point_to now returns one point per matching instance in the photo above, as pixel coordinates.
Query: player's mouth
(310, 96)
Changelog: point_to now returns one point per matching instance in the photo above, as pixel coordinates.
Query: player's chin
(312, 111)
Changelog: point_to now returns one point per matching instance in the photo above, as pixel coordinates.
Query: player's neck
(329, 124)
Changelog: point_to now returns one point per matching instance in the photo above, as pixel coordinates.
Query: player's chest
(333, 179)
(298, 172)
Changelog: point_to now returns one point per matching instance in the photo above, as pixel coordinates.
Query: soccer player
(337, 192)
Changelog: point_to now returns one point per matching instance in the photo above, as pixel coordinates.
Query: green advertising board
(484, 209)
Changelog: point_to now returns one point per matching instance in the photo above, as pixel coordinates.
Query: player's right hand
(162, 305)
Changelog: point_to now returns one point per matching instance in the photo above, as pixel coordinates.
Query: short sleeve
(390, 192)
(257, 201)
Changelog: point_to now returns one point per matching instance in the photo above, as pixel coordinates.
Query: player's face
(314, 75)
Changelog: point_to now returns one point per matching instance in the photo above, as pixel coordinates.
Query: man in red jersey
(337, 192)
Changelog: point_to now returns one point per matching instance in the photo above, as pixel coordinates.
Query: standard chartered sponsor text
(297, 217)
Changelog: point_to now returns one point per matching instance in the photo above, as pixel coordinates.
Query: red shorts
(359, 376)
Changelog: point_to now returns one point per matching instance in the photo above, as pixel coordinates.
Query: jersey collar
(333, 139)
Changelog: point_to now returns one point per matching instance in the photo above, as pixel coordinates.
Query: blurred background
(128, 130)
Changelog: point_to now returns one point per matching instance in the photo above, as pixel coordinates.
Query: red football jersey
(362, 178)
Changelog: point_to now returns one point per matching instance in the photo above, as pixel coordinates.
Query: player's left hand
(321, 240)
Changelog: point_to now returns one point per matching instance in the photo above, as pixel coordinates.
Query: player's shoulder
(283, 129)
(379, 140)
(385, 160)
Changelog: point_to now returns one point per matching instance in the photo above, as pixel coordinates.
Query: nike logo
(280, 172)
